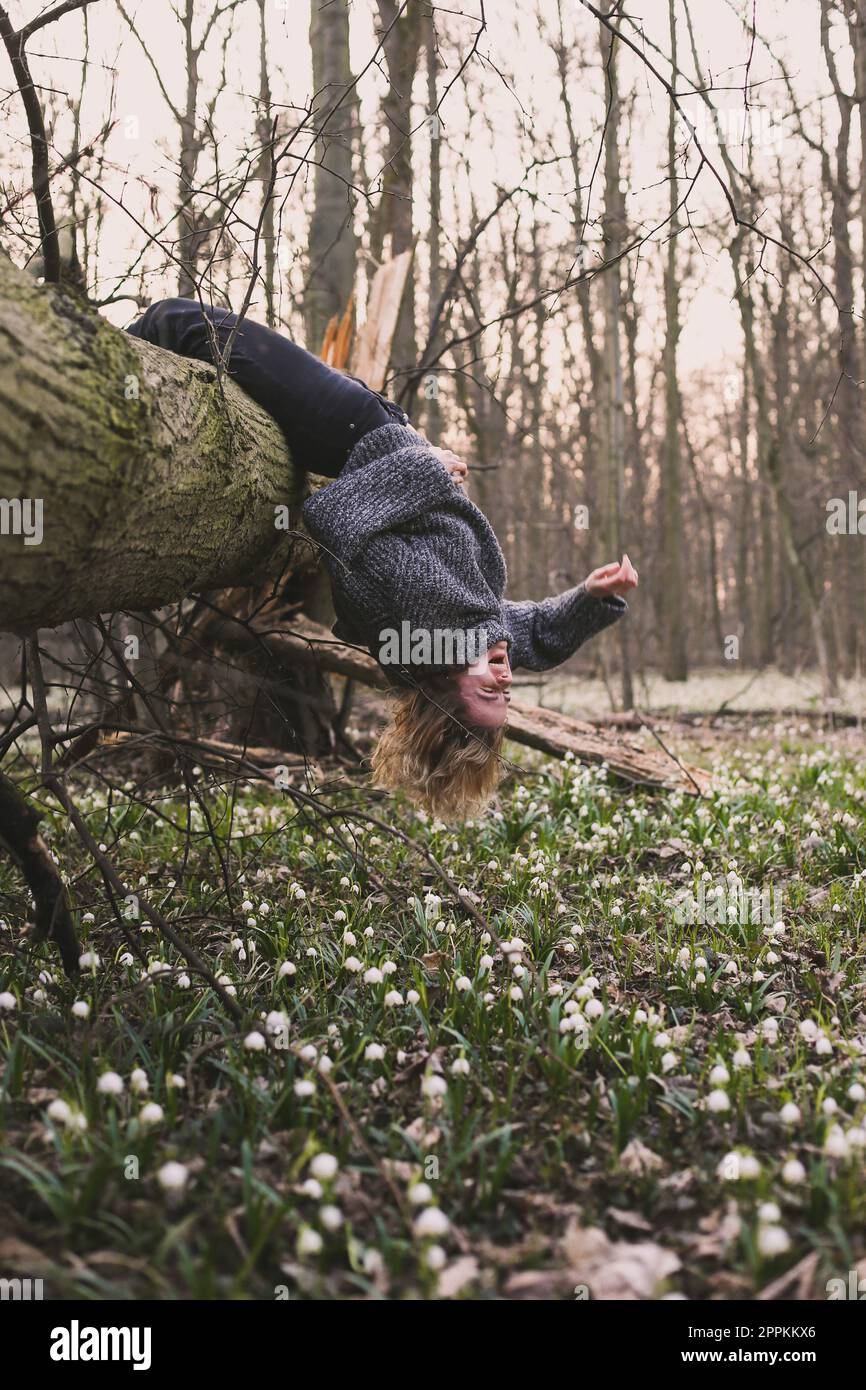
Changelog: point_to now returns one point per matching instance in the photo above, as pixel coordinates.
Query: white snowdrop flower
(773, 1240)
(331, 1218)
(515, 947)
(750, 1168)
(389, 968)
(177, 1081)
(856, 1092)
(324, 1167)
(374, 1052)
(431, 1222)
(311, 951)
(485, 938)
(486, 963)
(276, 1021)
(518, 972)
(8, 1002)
(173, 1176)
(742, 1058)
(349, 938)
(594, 1008)
(771, 958)
(251, 922)
(393, 999)
(835, 1144)
(304, 1089)
(287, 969)
(591, 982)
(311, 1187)
(420, 1194)
(793, 1172)
(769, 1213)
(60, 1112)
(719, 1076)
(669, 1061)
(488, 998)
(372, 1261)
(308, 1053)
(110, 1084)
(462, 983)
(39, 996)
(138, 1082)
(856, 1137)
(89, 960)
(368, 932)
(515, 994)
(555, 989)
(570, 1007)
(158, 967)
(460, 1066)
(77, 1122)
(717, 1102)
(126, 959)
(435, 1258)
(640, 1015)
(433, 1086)
(770, 1030)
(809, 1029)
(246, 905)
(353, 965)
(255, 1041)
(88, 918)
(373, 976)
(829, 1106)
(325, 1064)
(732, 968)
(661, 1040)
(413, 997)
(309, 1242)
(237, 944)
(151, 1114)
(823, 1046)
(700, 962)
(183, 981)
(81, 1009)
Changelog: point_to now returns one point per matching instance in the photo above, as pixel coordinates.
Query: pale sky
(515, 73)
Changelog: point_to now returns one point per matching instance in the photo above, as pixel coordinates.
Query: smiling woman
(406, 550)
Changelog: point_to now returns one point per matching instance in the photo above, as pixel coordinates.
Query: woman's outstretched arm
(545, 634)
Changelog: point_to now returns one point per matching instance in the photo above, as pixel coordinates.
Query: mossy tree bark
(154, 479)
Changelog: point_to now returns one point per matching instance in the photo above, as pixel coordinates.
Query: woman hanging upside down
(416, 572)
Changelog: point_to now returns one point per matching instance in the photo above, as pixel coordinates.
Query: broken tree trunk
(153, 481)
(530, 725)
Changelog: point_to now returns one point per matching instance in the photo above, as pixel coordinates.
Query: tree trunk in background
(614, 233)
(674, 657)
(392, 224)
(190, 237)
(152, 483)
(431, 386)
(264, 135)
(333, 245)
(849, 399)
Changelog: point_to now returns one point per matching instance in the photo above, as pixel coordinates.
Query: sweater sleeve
(546, 634)
(391, 478)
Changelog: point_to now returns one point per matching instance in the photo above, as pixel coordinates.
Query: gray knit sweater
(402, 542)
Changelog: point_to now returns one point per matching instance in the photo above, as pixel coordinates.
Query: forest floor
(600, 1071)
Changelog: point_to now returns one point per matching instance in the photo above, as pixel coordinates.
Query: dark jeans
(322, 412)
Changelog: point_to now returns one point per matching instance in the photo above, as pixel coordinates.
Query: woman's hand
(612, 581)
(456, 467)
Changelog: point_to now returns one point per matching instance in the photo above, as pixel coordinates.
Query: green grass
(573, 1084)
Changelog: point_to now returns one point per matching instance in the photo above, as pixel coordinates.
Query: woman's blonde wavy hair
(429, 750)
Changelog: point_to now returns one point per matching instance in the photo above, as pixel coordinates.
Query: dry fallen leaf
(637, 1158)
(456, 1276)
(616, 1269)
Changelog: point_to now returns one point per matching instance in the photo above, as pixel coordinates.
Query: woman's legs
(322, 413)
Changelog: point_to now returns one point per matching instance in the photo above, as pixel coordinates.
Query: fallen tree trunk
(153, 481)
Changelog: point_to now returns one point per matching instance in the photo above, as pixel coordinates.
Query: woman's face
(484, 688)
